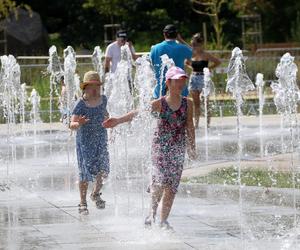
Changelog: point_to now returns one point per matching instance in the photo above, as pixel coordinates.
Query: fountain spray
(238, 83)
(260, 89)
(286, 100)
(207, 90)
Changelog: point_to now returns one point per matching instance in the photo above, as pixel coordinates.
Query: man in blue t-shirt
(178, 52)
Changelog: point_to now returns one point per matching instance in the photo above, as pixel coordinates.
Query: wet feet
(149, 221)
(166, 226)
(82, 209)
(99, 202)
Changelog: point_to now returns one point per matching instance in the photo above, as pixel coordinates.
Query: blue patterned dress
(91, 141)
(169, 145)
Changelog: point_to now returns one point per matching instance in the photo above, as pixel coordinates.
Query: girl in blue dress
(91, 139)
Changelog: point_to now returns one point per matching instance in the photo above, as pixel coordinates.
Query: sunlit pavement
(38, 210)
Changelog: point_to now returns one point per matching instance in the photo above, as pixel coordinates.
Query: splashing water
(207, 90)
(10, 89)
(54, 66)
(70, 83)
(238, 83)
(208, 83)
(97, 62)
(260, 88)
(56, 73)
(286, 90)
(23, 99)
(35, 109)
(144, 82)
(166, 63)
(286, 100)
(120, 102)
(35, 115)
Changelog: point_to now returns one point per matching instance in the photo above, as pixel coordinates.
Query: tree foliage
(9, 6)
(80, 22)
(212, 8)
(6, 6)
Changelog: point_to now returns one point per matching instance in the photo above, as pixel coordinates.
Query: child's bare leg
(98, 184)
(167, 203)
(196, 101)
(156, 194)
(95, 195)
(83, 186)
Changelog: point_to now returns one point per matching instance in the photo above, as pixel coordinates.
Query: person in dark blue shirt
(177, 51)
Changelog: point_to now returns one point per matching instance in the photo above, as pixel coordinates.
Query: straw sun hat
(90, 77)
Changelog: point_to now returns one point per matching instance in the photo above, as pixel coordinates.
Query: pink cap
(175, 73)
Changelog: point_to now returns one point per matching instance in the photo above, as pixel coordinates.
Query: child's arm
(190, 131)
(112, 122)
(77, 121)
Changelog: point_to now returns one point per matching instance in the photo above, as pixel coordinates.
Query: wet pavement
(43, 214)
(39, 198)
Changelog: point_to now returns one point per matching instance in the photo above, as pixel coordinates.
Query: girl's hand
(110, 123)
(82, 120)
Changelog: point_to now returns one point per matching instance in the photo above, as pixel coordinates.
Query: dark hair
(171, 35)
(197, 39)
(170, 31)
(121, 34)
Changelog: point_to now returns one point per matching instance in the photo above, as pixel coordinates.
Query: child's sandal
(100, 204)
(82, 209)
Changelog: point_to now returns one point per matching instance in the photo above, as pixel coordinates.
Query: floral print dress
(169, 145)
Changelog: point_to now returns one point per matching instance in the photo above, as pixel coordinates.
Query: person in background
(177, 51)
(113, 51)
(113, 57)
(200, 60)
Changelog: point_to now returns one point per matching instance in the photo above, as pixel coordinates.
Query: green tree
(295, 30)
(245, 7)
(109, 8)
(6, 6)
(212, 8)
(9, 6)
(145, 19)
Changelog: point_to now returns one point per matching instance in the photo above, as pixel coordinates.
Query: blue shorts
(196, 82)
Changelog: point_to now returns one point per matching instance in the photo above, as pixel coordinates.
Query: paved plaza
(39, 198)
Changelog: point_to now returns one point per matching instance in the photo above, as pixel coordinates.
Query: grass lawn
(249, 177)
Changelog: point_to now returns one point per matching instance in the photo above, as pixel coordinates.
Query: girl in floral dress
(174, 134)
